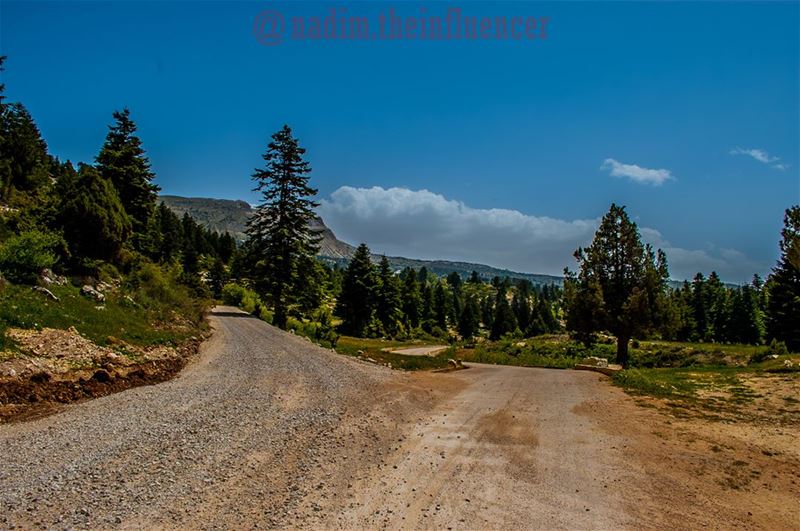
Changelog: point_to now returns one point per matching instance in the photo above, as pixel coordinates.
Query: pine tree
(94, 222)
(474, 278)
(23, 153)
(487, 311)
(521, 304)
(468, 321)
(620, 280)
(122, 160)
(783, 307)
(279, 230)
(357, 300)
(719, 300)
(388, 301)
(504, 320)
(440, 306)
(427, 314)
(701, 309)
(412, 301)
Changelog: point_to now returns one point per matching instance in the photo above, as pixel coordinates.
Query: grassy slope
(24, 308)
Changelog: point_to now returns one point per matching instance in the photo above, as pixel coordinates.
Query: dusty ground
(267, 430)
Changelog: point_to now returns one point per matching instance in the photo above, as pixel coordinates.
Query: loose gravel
(233, 440)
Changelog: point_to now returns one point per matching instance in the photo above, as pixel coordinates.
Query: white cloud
(761, 156)
(422, 224)
(636, 173)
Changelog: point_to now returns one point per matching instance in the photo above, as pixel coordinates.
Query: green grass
(683, 384)
(559, 351)
(553, 351)
(373, 348)
(21, 307)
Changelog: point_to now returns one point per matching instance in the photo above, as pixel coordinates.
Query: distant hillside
(227, 215)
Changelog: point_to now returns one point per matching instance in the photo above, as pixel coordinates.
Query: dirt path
(429, 350)
(267, 430)
(506, 452)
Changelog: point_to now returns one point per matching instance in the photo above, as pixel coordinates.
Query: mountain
(225, 215)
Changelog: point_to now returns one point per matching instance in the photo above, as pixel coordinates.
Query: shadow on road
(223, 313)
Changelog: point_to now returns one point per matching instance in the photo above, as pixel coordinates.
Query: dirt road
(267, 430)
(429, 350)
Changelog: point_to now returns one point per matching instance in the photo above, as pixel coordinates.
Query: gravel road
(266, 430)
(236, 438)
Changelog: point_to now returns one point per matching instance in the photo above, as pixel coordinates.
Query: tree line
(376, 301)
(77, 219)
(622, 288)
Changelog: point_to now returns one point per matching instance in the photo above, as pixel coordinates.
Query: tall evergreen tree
(357, 300)
(23, 153)
(427, 316)
(440, 306)
(783, 307)
(719, 300)
(701, 303)
(122, 160)
(412, 301)
(388, 300)
(468, 321)
(521, 304)
(504, 320)
(621, 279)
(279, 229)
(487, 311)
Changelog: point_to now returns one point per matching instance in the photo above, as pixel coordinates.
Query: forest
(101, 222)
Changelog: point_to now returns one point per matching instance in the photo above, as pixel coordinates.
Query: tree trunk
(622, 351)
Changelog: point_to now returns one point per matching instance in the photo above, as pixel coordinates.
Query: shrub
(159, 289)
(23, 257)
(776, 348)
(234, 294)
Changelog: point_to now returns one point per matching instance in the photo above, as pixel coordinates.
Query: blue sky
(500, 152)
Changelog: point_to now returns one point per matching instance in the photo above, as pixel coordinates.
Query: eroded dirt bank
(267, 430)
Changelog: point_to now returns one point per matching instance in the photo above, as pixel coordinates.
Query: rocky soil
(55, 367)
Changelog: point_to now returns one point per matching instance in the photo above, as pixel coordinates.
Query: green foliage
(388, 301)
(23, 257)
(775, 349)
(783, 309)
(94, 221)
(23, 153)
(217, 277)
(469, 320)
(122, 161)
(412, 300)
(621, 284)
(234, 294)
(356, 302)
(161, 291)
(279, 232)
(504, 320)
(22, 307)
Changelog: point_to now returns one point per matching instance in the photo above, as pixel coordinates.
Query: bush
(234, 294)
(23, 257)
(775, 349)
(159, 289)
